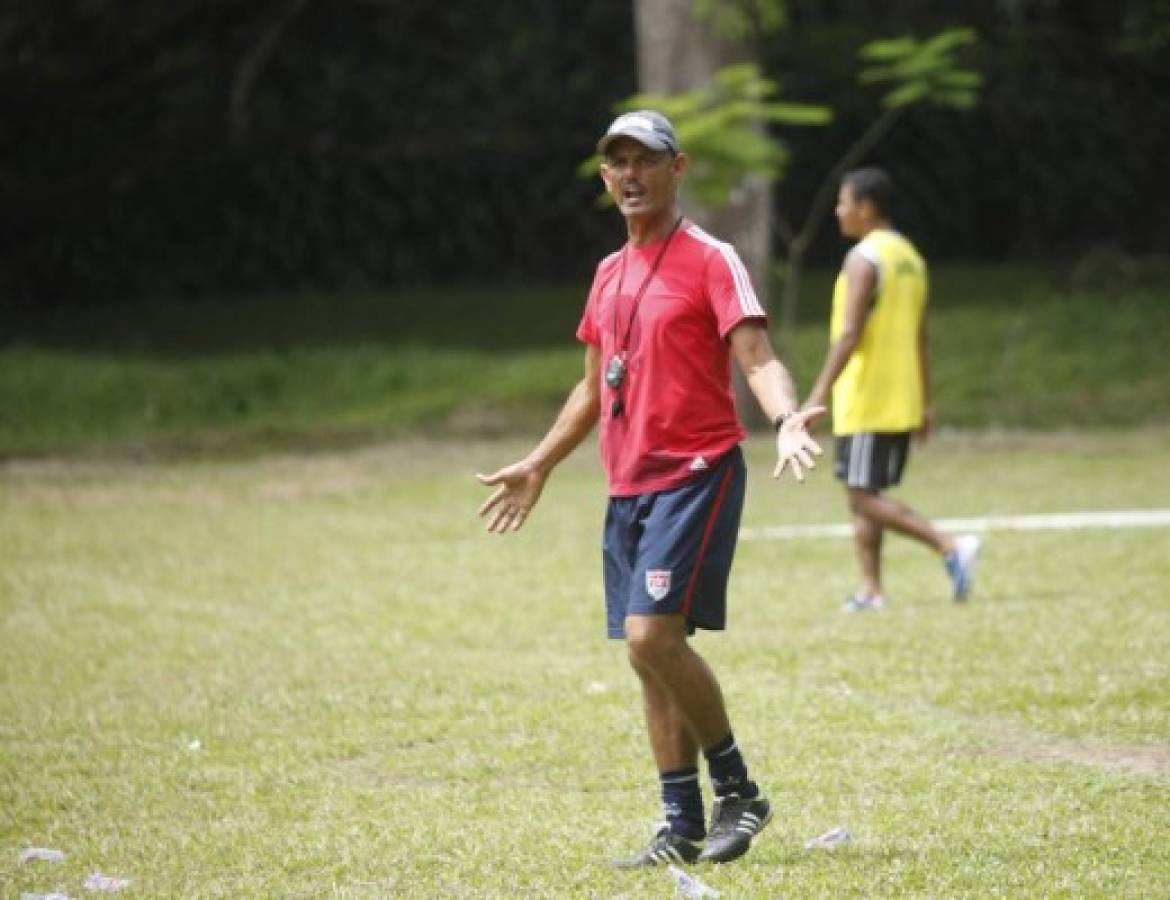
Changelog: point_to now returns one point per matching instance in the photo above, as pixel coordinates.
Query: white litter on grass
(195, 745)
(44, 897)
(1122, 518)
(99, 882)
(830, 840)
(41, 854)
(597, 687)
(689, 886)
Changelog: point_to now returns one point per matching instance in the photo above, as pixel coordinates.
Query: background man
(664, 316)
(878, 368)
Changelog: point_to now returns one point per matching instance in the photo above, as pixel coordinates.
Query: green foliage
(1012, 349)
(721, 126)
(738, 20)
(195, 148)
(198, 147)
(1145, 30)
(191, 149)
(923, 71)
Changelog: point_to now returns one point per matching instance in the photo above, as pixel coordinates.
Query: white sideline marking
(1122, 518)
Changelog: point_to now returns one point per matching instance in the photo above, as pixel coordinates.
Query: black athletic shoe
(734, 822)
(666, 848)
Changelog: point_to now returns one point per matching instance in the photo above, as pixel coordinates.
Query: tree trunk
(678, 53)
(790, 303)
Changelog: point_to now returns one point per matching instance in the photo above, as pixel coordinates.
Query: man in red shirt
(664, 317)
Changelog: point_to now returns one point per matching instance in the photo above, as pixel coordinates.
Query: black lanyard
(625, 345)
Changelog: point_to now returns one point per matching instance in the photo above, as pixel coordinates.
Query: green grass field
(1015, 347)
(314, 676)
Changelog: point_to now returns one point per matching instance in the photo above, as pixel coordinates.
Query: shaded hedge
(195, 148)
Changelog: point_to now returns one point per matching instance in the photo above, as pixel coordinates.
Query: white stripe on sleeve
(749, 304)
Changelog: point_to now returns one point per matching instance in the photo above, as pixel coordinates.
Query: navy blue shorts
(671, 551)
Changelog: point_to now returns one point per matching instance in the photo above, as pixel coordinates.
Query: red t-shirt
(677, 405)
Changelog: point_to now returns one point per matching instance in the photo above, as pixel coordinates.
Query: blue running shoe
(960, 565)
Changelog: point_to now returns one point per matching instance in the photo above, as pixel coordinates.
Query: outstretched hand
(519, 488)
(795, 448)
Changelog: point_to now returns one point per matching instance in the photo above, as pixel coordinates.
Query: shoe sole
(726, 858)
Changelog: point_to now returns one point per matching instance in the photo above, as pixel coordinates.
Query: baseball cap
(647, 127)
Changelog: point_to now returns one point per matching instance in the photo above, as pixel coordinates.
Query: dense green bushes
(1014, 348)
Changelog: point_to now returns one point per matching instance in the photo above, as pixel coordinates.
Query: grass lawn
(315, 676)
(1014, 347)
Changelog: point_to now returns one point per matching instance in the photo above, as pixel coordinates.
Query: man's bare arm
(773, 387)
(861, 280)
(767, 377)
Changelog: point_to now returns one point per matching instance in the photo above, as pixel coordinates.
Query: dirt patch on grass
(1133, 759)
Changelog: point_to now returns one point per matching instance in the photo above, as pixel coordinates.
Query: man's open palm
(508, 507)
(795, 448)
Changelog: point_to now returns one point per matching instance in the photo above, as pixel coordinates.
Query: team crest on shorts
(657, 583)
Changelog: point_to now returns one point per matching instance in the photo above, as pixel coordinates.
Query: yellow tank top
(880, 388)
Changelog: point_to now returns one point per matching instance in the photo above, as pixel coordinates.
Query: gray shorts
(872, 461)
